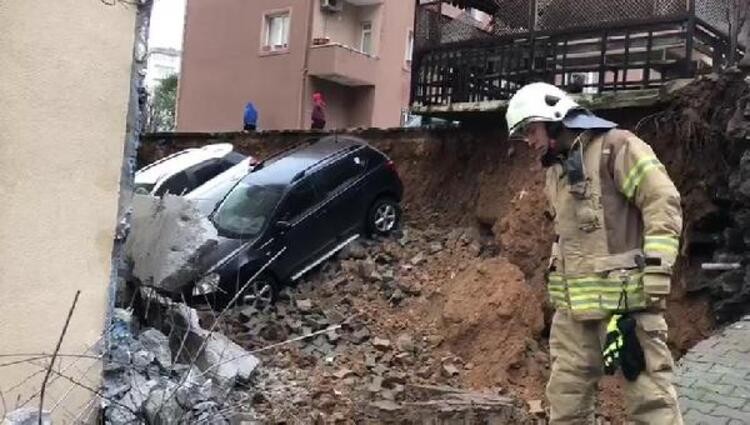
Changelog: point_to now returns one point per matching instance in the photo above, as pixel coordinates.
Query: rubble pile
(342, 345)
(143, 384)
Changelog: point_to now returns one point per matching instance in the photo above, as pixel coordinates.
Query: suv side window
(340, 173)
(205, 172)
(176, 185)
(300, 199)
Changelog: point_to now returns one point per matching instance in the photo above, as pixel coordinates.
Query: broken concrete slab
(168, 237)
(212, 352)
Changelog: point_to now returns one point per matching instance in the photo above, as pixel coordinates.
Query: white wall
(65, 85)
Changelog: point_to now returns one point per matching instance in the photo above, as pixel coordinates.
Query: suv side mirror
(283, 225)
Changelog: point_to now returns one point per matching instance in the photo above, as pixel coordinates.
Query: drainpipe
(308, 44)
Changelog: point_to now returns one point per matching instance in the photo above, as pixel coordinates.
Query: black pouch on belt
(631, 357)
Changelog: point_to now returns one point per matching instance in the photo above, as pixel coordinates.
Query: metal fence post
(688, 70)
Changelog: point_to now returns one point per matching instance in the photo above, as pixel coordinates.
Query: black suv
(292, 212)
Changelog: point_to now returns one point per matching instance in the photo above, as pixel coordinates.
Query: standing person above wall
(319, 112)
(250, 119)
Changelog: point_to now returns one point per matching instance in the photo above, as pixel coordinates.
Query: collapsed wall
(487, 299)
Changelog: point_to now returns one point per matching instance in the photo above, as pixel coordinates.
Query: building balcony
(342, 65)
(585, 46)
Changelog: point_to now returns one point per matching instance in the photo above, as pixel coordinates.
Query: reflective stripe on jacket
(622, 209)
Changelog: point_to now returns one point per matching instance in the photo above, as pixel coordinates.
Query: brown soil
(491, 318)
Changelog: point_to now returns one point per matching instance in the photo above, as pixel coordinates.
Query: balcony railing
(590, 46)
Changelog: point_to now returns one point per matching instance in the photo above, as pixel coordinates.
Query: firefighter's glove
(612, 347)
(632, 359)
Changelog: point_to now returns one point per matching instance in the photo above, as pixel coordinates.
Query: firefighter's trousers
(576, 355)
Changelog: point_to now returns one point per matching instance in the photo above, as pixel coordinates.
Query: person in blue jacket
(250, 119)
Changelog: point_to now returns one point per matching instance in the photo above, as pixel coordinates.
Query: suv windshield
(246, 209)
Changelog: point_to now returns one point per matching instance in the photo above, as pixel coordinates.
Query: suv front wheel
(259, 293)
(384, 216)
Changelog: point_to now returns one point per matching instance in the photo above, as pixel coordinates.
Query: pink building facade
(277, 53)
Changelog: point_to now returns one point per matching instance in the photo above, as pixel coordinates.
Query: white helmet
(538, 102)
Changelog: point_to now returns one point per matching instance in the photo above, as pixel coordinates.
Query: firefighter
(617, 220)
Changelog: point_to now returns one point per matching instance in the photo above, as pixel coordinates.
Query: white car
(186, 170)
(207, 195)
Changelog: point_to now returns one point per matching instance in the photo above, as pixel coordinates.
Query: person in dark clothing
(319, 112)
(250, 119)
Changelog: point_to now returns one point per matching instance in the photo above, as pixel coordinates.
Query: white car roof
(172, 164)
(230, 176)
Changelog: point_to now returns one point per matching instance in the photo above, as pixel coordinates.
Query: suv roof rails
(307, 142)
(339, 152)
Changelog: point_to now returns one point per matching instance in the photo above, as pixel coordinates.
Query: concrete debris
(405, 342)
(360, 336)
(304, 306)
(162, 408)
(27, 416)
(344, 373)
(450, 370)
(157, 343)
(223, 359)
(321, 371)
(142, 382)
(168, 237)
(386, 405)
(397, 296)
(417, 259)
(354, 250)
(381, 344)
(535, 408)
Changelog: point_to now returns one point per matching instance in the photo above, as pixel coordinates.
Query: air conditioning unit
(332, 6)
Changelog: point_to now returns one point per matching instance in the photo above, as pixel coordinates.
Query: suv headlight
(207, 285)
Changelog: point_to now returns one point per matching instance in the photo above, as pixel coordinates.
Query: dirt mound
(492, 319)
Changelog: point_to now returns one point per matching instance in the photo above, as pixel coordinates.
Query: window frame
(353, 162)
(284, 204)
(366, 31)
(266, 48)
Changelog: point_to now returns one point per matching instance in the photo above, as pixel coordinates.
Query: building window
(366, 45)
(409, 47)
(276, 32)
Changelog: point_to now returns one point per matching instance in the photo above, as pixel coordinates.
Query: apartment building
(277, 53)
